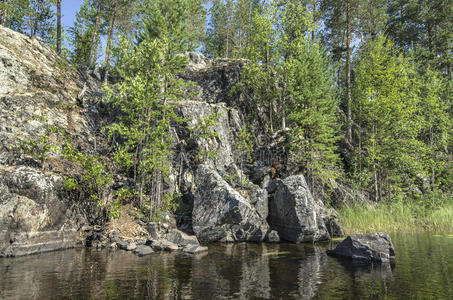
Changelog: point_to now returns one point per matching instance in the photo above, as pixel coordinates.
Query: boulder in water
(368, 248)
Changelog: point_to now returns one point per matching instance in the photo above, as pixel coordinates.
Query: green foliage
(125, 194)
(243, 148)
(81, 33)
(146, 96)
(312, 112)
(181, 22)
(115, 208)
(89, 175)
(94, 179)
(400, 121)
(34, 17)
(244, 145)
(203, 132)
(40, 148)
(230, 27)
(70, 184)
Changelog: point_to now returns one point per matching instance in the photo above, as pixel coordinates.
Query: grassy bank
(397, 217)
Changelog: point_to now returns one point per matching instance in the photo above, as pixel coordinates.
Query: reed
(397, 216)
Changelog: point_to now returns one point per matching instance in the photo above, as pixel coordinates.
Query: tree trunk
(376, 188)
(109, 43)
(314, 22)
(93, 48)
(348, 68)
(227, 42)
(1, 11)
(34, 28)
(5, 12)
(59, 27)
(283, 102)
(433, 171)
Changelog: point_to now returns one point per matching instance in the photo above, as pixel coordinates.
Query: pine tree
(425, 26)
(341, 25)
(58, 3)
(387, 110)
(437, 125)
(150, 89)
(218, 35)
(92, 57)
(4, 12)
(117, 10)
(312, 117)
(39, 18)
(81, 34)
(259, 81)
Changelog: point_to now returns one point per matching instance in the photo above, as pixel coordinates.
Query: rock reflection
(368, 272)
(310, 272)
(231, 271)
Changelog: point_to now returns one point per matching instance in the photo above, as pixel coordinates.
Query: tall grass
(397, 217)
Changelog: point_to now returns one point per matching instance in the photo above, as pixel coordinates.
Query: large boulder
(221, 213)
(294, 213)
(34, 217)
(376, 247)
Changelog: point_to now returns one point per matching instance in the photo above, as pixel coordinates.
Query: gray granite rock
(366, 248)
(143, 250)
(293, 212)
(221, 213)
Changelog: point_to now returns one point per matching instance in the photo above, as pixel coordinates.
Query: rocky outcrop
(42, 93)
(34, 215)
(221, 213)
(38, 91)
(366, 248)
(293, 212)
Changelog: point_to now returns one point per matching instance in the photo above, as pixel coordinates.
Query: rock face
(40, 91)
(293, 212)
(37, 91)
(33, 215)
(221, 213)
(367, 248)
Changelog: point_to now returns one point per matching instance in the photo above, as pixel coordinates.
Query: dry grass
(125, 226)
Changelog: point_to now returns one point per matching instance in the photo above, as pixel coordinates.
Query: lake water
(423, 270)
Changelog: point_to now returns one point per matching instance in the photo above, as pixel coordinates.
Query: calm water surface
(423, 270)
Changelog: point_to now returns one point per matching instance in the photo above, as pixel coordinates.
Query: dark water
(423, 270)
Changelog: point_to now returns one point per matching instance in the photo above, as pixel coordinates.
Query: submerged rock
(181, 239)
(293, 212)
(143, 250)
(162, 244)
(195, 249)
(376, 247)
(221, 213)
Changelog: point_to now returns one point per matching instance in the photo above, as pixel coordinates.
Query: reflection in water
(231, 271)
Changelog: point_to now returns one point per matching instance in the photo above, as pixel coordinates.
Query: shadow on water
(423, 270)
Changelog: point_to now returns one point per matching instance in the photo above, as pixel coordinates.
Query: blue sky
(68, 10)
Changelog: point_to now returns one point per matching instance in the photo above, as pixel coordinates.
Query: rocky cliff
(44, 102)
(38, 91)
